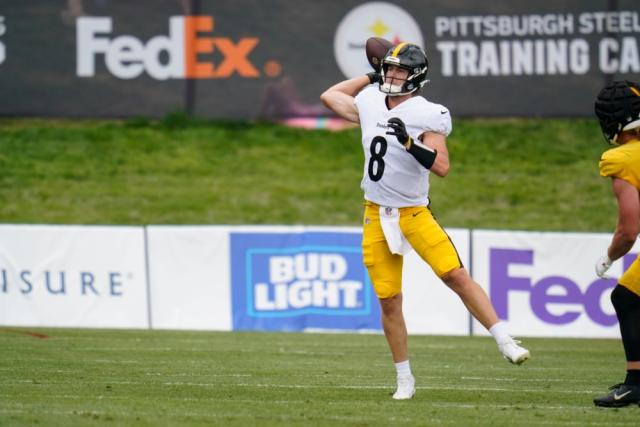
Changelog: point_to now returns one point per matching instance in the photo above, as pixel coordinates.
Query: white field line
(542, 380)
(382, 387)
(306, 375)
(116, 382)
(208, 350)
(461, 388)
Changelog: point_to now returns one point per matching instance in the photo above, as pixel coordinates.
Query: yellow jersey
(622, 162)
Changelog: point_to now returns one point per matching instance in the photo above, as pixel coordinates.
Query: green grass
(162, 378)
(526, 174)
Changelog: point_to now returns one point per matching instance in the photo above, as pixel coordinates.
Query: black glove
(400, 131)
(374, 77)
(423, 154)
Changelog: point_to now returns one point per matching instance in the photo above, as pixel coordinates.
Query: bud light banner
(300, 281)
(544, 284)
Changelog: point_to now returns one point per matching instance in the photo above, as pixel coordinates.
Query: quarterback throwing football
(404, 141)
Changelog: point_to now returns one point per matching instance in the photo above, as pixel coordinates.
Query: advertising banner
(286, 279)
(85, 59)
(430, 307)
(189, 276)
(125, 59)
(544, 284)
(73, 276)
(296, 281)
(293, 278)
(515, 57)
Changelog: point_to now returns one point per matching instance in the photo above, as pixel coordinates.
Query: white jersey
(392, 176)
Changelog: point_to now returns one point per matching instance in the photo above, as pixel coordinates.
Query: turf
(163, 378)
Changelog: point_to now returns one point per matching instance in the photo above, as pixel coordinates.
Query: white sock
(500, 332)
(403, 368)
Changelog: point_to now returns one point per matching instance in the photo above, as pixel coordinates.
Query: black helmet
(411, 58)
(618, 109)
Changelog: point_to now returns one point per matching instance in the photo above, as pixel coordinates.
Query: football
(376, 48)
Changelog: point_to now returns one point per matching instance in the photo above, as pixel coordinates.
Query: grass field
(506, 174)
(526, 174)
(162, 378)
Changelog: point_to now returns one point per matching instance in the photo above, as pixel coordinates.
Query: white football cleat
(406, 387)
(513, 352)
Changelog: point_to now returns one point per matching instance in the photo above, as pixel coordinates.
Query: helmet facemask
(392, 86)
(407, 57)
(396, 86)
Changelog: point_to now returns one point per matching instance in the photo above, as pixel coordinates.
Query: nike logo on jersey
(617, 396)
(444, 112)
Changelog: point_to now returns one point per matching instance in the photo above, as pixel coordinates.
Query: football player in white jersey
(404, 141)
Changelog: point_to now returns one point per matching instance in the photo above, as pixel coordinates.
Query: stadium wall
(116, 58)
(291, 278)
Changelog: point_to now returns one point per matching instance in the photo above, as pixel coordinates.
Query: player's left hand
(399, 130)
(374, 77)
(602, 265)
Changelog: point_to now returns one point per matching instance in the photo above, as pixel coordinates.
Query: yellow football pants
(424, 233)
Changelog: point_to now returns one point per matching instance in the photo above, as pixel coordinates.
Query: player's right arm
(438, 142)
(339, 97)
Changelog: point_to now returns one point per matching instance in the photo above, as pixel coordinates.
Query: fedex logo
(298, 281)
(570, 303)
(127, 57)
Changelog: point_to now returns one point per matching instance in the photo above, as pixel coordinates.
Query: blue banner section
(299, 281)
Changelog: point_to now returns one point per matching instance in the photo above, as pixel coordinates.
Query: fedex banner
(121, 58)
(544, 284)
(73, 276)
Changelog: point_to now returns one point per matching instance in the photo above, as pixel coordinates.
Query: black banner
(271, 59)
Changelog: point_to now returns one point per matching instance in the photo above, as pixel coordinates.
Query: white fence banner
(189, 275)
(544, 284)
(293, 278)
(220, 278)
(73, 276)
(430, 307)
